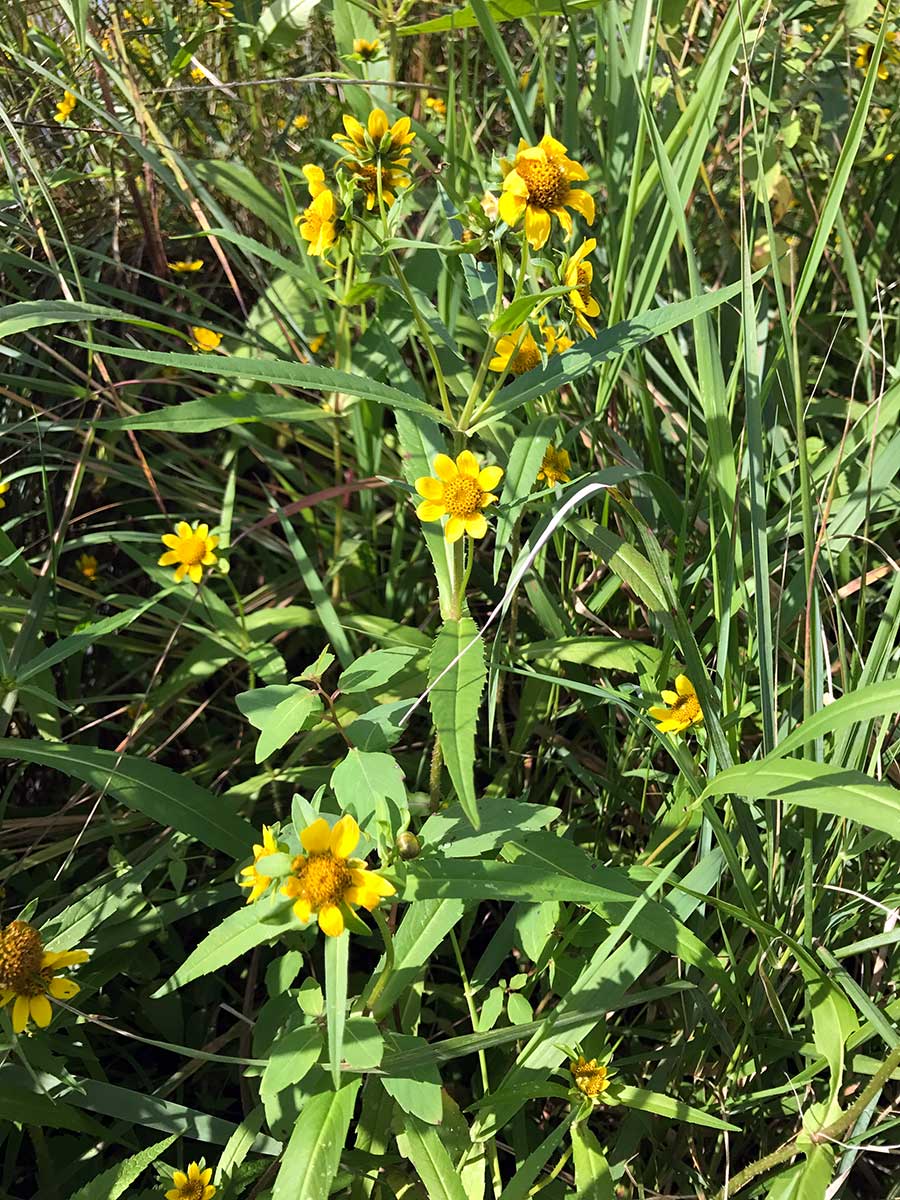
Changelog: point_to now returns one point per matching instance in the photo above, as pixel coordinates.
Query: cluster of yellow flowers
(64, 108)
(890, 55)
(325, 881)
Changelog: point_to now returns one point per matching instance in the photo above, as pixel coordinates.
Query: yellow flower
(366, 51)
(198, 74)
(28, 973)
(186, 266)
(326, 880)
(518, 352)
(436, 105)
(318, 225)
(366, 175)
(300, 122)
(377, 140)
(191, 548)
(194, 1185)
(539, 184)
(889, 55)
(205, 340)
(88, 566)
(578, 275)
(316, 343)
(4, 488)
(684, 708)
(255, 880)
(460, 491)
(590, 1078)
(225, 8)
(64, 108)
(555, 466)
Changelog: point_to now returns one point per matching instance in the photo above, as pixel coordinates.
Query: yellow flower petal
(179, 1178)
(344, 837)
(537, 226)
(429, 488)
(476, 525)
(683, 686)
(302, 910)
(445, 467)
(316, 838)
(63, 989)
(467, 464)
(430, 510)
(378, 124)
(454, 529)
(41, 1011)
(489, 477)
(331, 920)
(21, 1013)
(582, 202)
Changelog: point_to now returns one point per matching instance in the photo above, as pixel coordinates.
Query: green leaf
(337, 958)
(376, 668)
(313, 1155)
(833, 1019)
(866, 704)
(147, 787)
(209, 413)
(834, 790)
(607, 653)
(363, 1044)
(520, 1186)
(292, 1057)
(278, 712)
(423, 928)
(38, 314)
(519, 310)
(421, 440)
(422, 1144)
(370, 784)
(501, 820)
(27, 1108)
(665, 1106)
(283, 21)
(111, 1184)
(416, 1089)
(455, 698)
(592, 1178)
(239, 933)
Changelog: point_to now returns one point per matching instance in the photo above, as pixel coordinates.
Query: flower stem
(381, 981)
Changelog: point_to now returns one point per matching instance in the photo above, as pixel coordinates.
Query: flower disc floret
(191, 548)
(327, 881)
(590, 1077)
(28, 974)
(191, 1185)
(459, 492)
(538, 185)
(683, 709)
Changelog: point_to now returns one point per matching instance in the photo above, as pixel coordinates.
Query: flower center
(21, 955)
(687, 707)
(192, 550)
(583, 286)
(546, 183)
(462, 496)
(526, 358)
(192, 1190)
(589, 1078)
(324, 879)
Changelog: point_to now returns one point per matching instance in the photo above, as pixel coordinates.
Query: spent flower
(577, 275)
(555, 466)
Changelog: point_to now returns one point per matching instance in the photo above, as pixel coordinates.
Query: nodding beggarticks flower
(377, 149)
(518, 352)
(194, 1185)
(255, 880)
(225, 8)
(366, 51)
(88, 566)
(318, 222)
(191, 548)
(539, 184)
(204, 340)
(28, 973)
(554, 467)
(460, 491)
(64, 108)
(589, 1076)
(889, 56)
(577, 275)
(326, 880)
(186, 266)
(683, 709)
(436, 105)
(198, 74)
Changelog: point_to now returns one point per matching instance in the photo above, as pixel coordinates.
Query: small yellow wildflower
(186, 266)
(554, 467)
(300, 122)
(205, 340)
(28, 973)
(460, 491)
(194, 1185)
(255, 880)
(318, 222)
(889, 56)
(64, 108)
(4, 488)
(316, 343)
(366, 51)
(225, 8)
(436, 105)
(198, 74)
(589, 1076)
(518, 352)
(539, 185)
(326, 880)
(377, 140)
(191, 548)
(577, 276)
(88, 566)
(683, 708)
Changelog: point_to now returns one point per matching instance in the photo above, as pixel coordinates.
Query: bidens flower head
(186, 266)
(683, 708)
(589, 1076)
(204, 340)
(191, 548)
(88, 566)
(460, 492)
(377, 141)
(254, 879)
(318, 223)
(539, 185)
(194, 1185)
(28, 973)
(554, 467)
(577, 275)
(326, 880)
(518, 352)
(64, 108)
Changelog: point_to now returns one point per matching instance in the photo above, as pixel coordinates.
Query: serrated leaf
(111, 1184)
(418, 1089)
(278, 712)
(665, 1106)
(455, 698)
(592, 1178)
